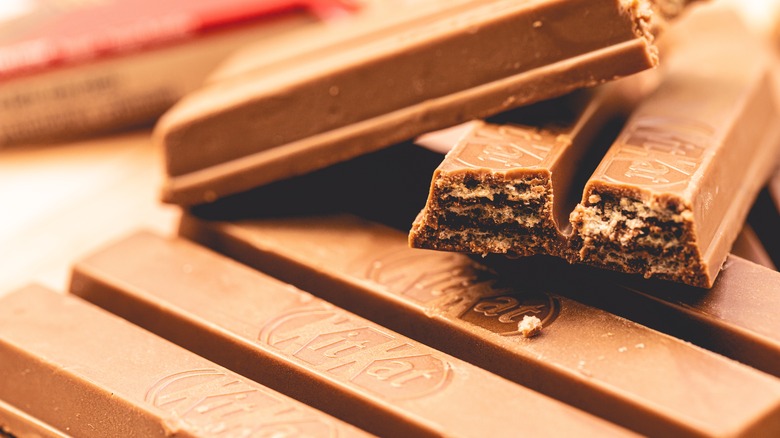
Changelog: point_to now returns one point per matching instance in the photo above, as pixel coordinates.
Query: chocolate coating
(661, 202)
(675, 207)
(506, 184)
(585, 356)
(426, 68)
(750, 247)
(312, 350)
(91, 374)
(17, 423)
(737, 317)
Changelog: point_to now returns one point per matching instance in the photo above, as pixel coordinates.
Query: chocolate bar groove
(17, 423)
(89, 373)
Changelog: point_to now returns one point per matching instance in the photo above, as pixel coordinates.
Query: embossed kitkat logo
(344, 346)
(501, 314)
(659, 151)
(217, 403)
(454, 284)
(504, 147)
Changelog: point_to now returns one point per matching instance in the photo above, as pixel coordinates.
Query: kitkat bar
(91, 374)
(670, 194)
(737, 317)
(645, 380)
(458, 61)
(322, 355)
(673, 191)
(750, 247)
(17, 423)
(505, 184)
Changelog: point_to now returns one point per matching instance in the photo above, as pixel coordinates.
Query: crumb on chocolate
(530, 326)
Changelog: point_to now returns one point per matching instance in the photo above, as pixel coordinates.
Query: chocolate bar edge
(14, 422)
(346, 142)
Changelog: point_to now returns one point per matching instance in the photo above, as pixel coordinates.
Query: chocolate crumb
(530, 326)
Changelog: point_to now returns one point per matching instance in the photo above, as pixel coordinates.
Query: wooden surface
(61, 201)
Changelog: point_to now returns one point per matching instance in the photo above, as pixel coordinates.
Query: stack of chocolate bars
(594, 256)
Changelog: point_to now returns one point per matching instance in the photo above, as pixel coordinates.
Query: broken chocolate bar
(503, 187)
(318, 353)
(588, 357)
(91, 374)
(440, 64)
(661, 202)
(764, 217)
(672, 193)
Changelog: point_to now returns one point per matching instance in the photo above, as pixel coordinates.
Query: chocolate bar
(660, 203)
(588, 357)
(92, 374)
(749, 246)
(324, 356)
(504, 187)
(442, 64)
(400, 172)
(736, 317)
(17, 423)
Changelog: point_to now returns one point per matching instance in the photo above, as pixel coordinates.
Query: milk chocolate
(504, 186)
(314, 351)
(672, 193)
(15, 423)
(660, 203)
(91, 374)
(737, 317)
(585, 356)
(437, 65)
(749, 247)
